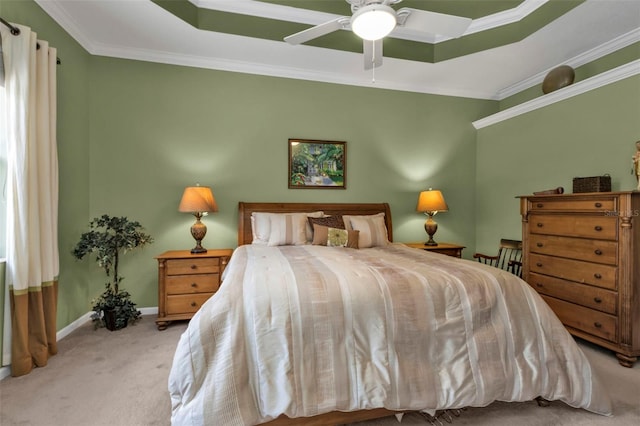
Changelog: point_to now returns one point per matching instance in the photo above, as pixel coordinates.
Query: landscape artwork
(317, 164)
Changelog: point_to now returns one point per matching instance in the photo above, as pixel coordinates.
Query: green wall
(587, 135)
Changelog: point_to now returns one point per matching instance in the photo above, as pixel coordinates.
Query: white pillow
(373, 231)
(261, 225)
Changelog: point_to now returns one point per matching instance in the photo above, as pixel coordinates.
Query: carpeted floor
(120, 379)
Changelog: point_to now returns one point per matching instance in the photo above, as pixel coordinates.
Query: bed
(303, 333)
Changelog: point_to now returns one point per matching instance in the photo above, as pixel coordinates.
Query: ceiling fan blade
(372, 53)
(434, 23)
(317, 31)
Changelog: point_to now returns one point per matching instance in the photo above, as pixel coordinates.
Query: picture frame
(317, 164)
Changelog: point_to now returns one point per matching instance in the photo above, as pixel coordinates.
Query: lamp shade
(431, 201)
(197, 199)
(373, 22)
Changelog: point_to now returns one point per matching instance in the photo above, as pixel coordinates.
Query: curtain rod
(14, 30)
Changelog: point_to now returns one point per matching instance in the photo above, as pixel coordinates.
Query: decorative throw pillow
(320, 235)
(334, 237)
(330, 221)
(373, 231)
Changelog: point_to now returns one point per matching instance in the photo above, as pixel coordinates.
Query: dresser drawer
(585, 295)
(197, 283)
(591, 204)
(193, 266)
(599, 227)
(186, 303)
(574, 270)
(585, 319)
(600, 251)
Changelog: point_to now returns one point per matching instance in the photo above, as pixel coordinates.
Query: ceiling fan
(373, 20)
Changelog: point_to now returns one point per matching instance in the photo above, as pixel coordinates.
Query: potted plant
(110, 237)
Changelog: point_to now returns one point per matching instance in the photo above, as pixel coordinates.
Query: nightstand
(453, 250)
(186, 281)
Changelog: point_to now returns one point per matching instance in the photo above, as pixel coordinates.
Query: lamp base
(431, 227)
(198, 231)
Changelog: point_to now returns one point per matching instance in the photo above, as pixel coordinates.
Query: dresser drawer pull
(597, 300)
(539, 285)
(539, 244)
(598, 252)
(194, 285)
(193, 304)
(598, 228)
(598, 205)
(539, 265)
(194, 266)
(597, 324)
(539, 225)
(597, 276)
(539, 205)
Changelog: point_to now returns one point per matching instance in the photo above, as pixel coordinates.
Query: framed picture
(317, 164)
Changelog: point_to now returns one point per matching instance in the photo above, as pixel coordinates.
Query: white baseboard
(61, 334)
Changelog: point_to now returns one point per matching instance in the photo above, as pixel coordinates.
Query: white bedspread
(304, 330)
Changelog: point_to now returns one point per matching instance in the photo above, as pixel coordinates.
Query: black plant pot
(109, 319)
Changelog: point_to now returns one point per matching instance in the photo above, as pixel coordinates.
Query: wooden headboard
(245, 210)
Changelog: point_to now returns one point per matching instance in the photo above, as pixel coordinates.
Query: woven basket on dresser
(592, 184)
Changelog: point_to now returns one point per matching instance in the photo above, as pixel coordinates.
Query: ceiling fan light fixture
(373, 22)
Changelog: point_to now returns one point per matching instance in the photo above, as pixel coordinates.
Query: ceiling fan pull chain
(373, 62)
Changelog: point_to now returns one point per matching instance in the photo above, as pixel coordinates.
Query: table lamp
(198, 200)
(431, 202)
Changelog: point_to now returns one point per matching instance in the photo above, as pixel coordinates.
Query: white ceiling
(140, 29)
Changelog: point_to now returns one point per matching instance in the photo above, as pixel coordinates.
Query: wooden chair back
(509, 256)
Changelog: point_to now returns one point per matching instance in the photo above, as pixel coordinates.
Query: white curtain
(32, 197)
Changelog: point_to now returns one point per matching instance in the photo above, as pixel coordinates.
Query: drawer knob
(539, 225)
(539, 265)
(598, 252)
(597, 300)
(598, 205)
(598, 228)
(539, 244)
(597, 324)
(194, 285)
(193, 304)
(539, 285)
(539, 205)
(194, 266)
(597, 276)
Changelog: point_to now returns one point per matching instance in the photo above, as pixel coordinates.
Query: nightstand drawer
(600, 227)
(584, 319)
(585, 295)
(186, 303)
(197, 283)
(600, 251)
(193, 266)
(574, 270)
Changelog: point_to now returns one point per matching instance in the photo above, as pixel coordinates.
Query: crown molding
(589, 56)
(624, 71)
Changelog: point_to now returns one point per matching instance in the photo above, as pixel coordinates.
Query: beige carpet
(120, 378)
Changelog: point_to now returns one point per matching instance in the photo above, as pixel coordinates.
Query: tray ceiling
(509, 46)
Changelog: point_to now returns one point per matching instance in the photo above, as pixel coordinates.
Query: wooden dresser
(581, 252)
(186, 281)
